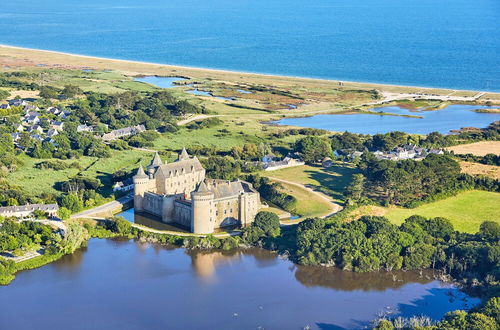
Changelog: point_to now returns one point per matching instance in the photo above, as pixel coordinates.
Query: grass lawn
(309, 205)
(36, 181)
(332, 181)
(466, 211)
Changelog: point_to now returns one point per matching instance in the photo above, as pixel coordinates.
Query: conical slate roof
(140, 173)
(203, 189)
(183, 155)
(156, 161)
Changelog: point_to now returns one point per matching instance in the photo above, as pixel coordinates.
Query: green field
(466, 211)
(36, 181)
(331, 181)
(309, 204)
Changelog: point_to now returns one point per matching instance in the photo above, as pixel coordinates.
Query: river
(122, 284)
(451, 44)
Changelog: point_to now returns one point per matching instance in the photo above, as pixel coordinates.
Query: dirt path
(333, 207)
(193, 118)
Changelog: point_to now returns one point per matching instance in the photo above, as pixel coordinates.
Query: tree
(72, 202)
(355, 190)
(48, 92)
(492, 308)
(120, 226)
(313, 149)
(75, 237)
(71, 91)
(64, 213)
(490, 231)
(268, 222)
(384, 325)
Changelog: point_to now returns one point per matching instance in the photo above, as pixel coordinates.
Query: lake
(123, 284)
(443, 121)
(450, 44)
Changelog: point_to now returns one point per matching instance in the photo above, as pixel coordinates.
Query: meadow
(466, 211)
(331, 181)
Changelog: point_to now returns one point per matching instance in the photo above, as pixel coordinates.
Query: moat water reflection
(131, 285)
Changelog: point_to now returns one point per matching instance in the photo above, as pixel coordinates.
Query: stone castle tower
(178, 193)
(203, 214)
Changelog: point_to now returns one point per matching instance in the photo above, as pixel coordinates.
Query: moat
(130, 285)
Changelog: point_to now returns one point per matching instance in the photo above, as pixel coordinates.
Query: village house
(30, 108)
(4, 106)
(125, 185)
(53, 110)
(31, 119)
(57, 125)
(24, 211)
(51, 133)
(64, 114)
(279, 164)
(37, 137)
(35, 128)
(18, 102)
(122, 132)
(19, 127)
(327, 162)
(15, 136)
(84, 128)
(401, 153)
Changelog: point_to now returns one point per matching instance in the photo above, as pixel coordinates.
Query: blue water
(443, 121)
(445, 43)
(163, 82)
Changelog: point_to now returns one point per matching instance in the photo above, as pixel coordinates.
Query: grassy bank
(28, 264)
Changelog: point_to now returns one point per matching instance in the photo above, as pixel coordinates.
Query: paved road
(108, 207)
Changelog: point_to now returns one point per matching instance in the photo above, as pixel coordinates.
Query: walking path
(333, 207)
(177, 233)
(193, 118)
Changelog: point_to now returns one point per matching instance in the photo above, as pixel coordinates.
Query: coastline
(8, 50)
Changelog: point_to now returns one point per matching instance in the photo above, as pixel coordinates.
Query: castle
(178, 192)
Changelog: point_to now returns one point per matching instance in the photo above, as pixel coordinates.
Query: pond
(204, 93)
(123, 284)
(163, 82)
(443, 121)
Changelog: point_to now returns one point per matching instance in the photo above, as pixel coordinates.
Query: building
(125, 185)
(122, 132)
(327, 162)
(179, 193)
(23, 211)
(84, 128)
(279, 164)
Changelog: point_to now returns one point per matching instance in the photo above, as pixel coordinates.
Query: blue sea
(435, 43)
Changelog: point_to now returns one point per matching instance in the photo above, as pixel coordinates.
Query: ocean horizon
(444, 45)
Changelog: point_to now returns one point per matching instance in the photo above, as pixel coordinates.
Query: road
(108, 207)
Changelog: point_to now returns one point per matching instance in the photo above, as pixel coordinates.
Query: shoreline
(244, 73)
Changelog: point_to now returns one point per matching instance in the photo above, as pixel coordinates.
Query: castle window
(225, 211)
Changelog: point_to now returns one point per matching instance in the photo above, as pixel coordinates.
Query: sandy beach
(12, 57)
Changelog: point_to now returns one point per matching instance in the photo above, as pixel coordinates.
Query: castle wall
(227, 212)
(249, 207)
(153, 203)
(182, 183)
(170, 192)
(182, 213)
